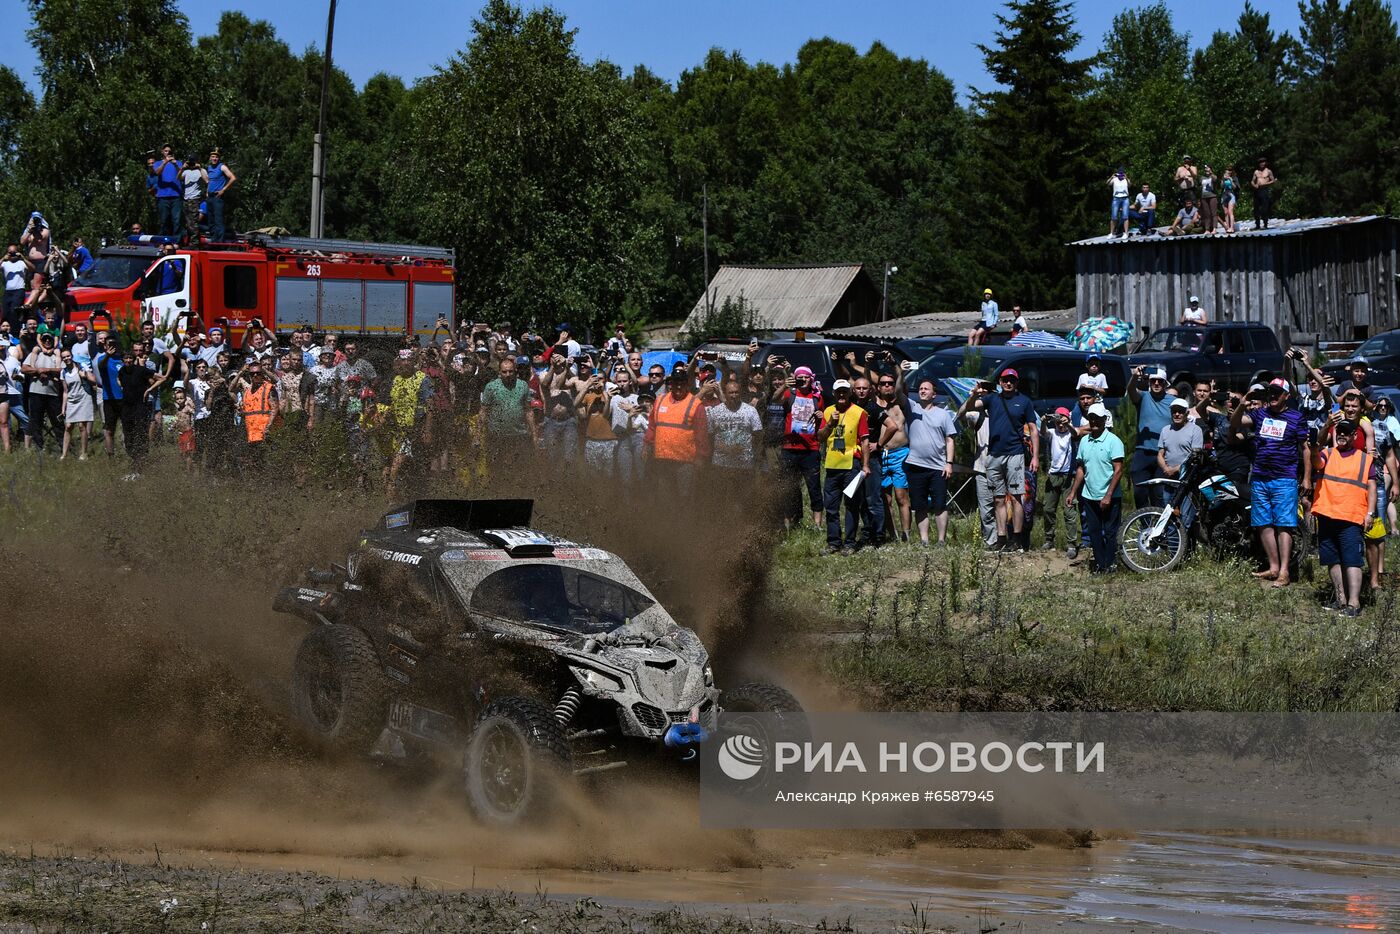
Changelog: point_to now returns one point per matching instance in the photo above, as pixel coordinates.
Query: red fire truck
(336, 286)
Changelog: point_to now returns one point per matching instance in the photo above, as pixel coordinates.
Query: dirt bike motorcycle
(1154, 539)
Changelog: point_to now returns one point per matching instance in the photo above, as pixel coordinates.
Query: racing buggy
(454, 633)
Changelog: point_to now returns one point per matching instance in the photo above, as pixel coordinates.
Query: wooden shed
(1332, 277)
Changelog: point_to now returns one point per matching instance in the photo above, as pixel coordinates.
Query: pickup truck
(1234, 354)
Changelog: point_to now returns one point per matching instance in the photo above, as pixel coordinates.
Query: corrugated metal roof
(1243, 230)
(945, 323)
(784, 298)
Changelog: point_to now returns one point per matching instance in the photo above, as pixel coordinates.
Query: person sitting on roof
(1188, 220)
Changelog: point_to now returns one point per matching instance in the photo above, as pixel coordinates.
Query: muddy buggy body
(454, 632)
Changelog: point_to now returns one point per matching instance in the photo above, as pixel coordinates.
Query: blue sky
(408, 37)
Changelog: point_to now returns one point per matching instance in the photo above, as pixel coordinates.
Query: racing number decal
(313, 269)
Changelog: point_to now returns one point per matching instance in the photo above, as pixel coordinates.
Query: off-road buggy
(455, 633)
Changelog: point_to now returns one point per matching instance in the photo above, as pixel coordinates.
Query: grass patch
(905, 629)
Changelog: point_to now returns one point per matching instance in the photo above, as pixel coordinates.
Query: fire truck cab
(334, 286)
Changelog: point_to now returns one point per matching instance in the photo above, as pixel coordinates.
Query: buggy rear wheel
(514, 762)
(338, 689)
(1149, 553)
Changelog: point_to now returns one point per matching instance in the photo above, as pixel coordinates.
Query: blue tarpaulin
(667, 359)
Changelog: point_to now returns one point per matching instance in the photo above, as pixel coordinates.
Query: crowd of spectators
(1205, 203)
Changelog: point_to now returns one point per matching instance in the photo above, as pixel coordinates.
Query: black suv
(815, 353)
(1049, 377)
(1382, 356)
(1234, 354)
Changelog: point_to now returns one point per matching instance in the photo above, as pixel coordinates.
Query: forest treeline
(573, 189)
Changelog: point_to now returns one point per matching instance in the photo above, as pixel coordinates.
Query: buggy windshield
(557, 596)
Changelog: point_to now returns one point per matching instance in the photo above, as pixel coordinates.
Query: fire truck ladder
(323, 245)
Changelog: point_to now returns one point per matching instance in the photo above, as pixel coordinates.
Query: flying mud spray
(144, 676)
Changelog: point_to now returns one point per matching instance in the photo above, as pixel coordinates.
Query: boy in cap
(1059, 442)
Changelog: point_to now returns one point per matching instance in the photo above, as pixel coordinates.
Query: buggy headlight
(596, 680)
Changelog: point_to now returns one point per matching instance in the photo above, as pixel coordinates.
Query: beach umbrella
(1100, 335)
(667, 359)
(1043, 339)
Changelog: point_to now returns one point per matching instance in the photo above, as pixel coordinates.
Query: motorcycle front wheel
(1146, 553)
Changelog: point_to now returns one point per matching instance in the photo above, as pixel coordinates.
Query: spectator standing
(976, 419)
(1343, 501)
(1008, 413)
(559, 388)
(599, 438)
(736, 434)
(799, 456)
(845, 435)
(1059, 442)
(1360, 371)
(44, 371)
(1263, 183)
(1098, 470)
(209, 353)
(1185, 180)
(892, 444)
(507, 423)
(1193, 314)
(137, 383)
(184, 425)
(929, 462)
(1177, 442)
(1118, 186)
(1229, 194)
(78, 408)
(678, 437)
(1210, 199)
(257, 399)
(16, 268)
(327, 388)
(988, 322)
(80, 257)
(295, 393)
(192, 178)
(407, 419)
(1144, 210)
(1280, 456)
(629, 422)
(1154, 414)
(108, 366)
(168, 190)
(219, 180)
(870, 500)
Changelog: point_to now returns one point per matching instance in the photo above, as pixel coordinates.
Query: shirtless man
(894, 443)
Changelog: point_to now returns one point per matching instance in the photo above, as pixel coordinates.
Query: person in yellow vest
(256, 395)
(845, 438)
(408, 420)
(1343, 499)
(678, 436)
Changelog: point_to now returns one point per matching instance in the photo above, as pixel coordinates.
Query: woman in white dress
(78, 405)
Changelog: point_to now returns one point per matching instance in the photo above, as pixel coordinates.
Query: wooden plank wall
(1308, 282)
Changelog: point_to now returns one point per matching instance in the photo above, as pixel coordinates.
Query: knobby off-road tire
(1160, 556)
(759, 697)
(515, 761)
(339, 691)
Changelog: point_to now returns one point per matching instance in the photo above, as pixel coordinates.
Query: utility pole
(885, 292)
(317, 155)
(705, 236)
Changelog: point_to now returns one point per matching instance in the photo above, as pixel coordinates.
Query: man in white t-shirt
(17, 269)
(986, 502)
(1144, 211)
(735, 431)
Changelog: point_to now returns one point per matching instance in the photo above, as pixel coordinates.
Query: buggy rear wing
(469, 515)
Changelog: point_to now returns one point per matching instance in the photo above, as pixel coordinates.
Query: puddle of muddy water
(1192, 882)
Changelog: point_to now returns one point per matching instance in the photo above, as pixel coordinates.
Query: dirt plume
(143, 690)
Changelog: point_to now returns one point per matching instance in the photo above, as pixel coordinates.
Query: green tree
(526, 159)
(1035, 179)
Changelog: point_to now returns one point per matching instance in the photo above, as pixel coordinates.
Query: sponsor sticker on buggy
(594, 554)
(516, 538)
(568, 554)
(396, 520)
(487, 554)
(402, 557)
